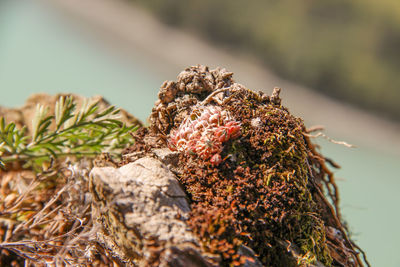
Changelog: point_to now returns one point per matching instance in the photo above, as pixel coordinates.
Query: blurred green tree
(346, 49)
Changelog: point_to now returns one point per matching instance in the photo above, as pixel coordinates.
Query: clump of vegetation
(266, 193)
(260, 194)
(45, 204)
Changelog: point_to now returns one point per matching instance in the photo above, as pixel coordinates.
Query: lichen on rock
(267, 191)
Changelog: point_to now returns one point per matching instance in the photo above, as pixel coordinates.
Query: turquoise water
(369, 188)
(39, 52)
(42, 52)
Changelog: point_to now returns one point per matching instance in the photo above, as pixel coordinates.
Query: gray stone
(142, 210)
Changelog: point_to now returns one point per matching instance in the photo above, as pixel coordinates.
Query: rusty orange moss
(260, 192)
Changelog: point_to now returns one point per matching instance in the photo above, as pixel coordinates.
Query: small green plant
(68, 132)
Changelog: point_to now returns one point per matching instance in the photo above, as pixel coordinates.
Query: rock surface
(143, 209)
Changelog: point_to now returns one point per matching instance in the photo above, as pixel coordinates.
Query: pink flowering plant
(204, 132)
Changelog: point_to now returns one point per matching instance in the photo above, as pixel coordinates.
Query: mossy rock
(253, 191)
(266, 191)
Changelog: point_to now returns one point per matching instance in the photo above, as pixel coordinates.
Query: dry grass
(45, 218)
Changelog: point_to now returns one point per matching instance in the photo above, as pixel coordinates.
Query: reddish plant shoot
(204, 132)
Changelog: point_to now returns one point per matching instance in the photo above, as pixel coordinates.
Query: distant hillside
(346, 49)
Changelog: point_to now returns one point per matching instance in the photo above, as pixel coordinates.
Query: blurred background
(337, 61)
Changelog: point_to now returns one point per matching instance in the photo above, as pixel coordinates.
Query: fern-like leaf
(67, 132)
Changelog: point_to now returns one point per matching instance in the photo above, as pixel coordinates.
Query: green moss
(262, 184)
